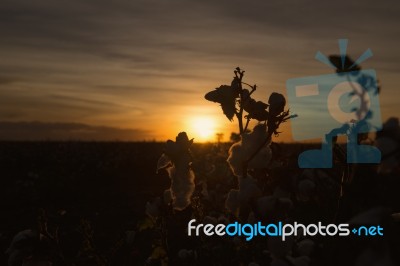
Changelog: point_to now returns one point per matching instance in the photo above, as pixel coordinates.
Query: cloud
(7, 80)
(139, 60)
(68, 131)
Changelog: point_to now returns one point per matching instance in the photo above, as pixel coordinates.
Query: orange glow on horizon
(202, 128)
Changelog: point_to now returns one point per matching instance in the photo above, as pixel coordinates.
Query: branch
(239, 74)
(252, 87)
(247, 123)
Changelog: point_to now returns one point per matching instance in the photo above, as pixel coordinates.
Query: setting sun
(203, 128)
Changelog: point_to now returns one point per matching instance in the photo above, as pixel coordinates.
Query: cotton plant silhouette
(253, 150)
(177, 161)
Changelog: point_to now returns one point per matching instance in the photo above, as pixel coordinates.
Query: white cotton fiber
(177, 161)
(232, 202)
(247, 189)
(182, 186)
(242, 151)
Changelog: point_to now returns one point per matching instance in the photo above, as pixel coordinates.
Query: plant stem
(239, 117)
(239, 114)
(252, 87)
(247, 124)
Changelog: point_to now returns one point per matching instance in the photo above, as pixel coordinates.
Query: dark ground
(106, 185)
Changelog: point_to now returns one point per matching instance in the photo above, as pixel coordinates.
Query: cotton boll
(167, 196)
(285, 204)
(387, 146)
(21, 246)
(237, 241)
(305, 247)
(252, 218)
(175, 149)
(243, 150)
(236, 158)
(371, 257)
(265, 205)
(326, 183)
(153, 208)
(391, 129)
(396, 217)
(232, 202)
(388, 165)
(279, 248)
(163, 162)
(182, 186)
(222, 219)
(300, 261)
(280, 193)
(204, 191)
(270, 204)
(177, 157)
(261, 160)
(37, 263)
(248, 188)
(315, 174)
(279, 196)
(372, 216)
(308, 173)
(210, 220)
(15, 257)
(277, 103)
(130, 237)
(255, 137)
(22, 236)
(305, 189)
(171, 148)
(279, 262)
(185, 254)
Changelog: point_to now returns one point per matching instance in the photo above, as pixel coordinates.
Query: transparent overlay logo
(344, 103)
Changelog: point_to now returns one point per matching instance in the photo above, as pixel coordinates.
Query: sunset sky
(138, 70)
